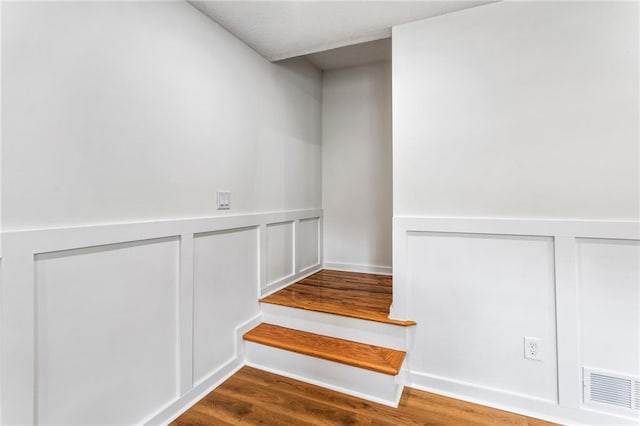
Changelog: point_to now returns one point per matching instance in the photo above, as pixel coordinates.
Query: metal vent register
(609, 390)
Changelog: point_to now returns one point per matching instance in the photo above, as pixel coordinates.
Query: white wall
(116, 112)
(515, 182)
(356, 166)
(133, 112)
(518, 109)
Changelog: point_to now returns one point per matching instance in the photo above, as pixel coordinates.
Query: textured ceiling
(284, 29)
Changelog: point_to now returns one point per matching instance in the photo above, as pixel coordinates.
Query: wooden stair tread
(370, 357)
(350, 294)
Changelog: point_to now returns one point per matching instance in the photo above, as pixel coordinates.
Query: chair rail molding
(63, 286)
(546, 245)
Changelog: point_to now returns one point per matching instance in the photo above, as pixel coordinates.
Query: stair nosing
(390, 321)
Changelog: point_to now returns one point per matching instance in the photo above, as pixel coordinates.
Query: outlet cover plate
(533, 348)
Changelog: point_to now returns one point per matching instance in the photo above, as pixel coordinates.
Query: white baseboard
(167, 243)
(204, 387)
(241, 330)
(189, 399)
(286, 281)
(367, 269)
(513, 402)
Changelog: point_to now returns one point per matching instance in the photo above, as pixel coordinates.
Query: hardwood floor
(356, 295)
(254, 397)
(369, 357)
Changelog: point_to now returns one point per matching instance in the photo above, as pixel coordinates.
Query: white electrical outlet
(533, 348)
(224, 200)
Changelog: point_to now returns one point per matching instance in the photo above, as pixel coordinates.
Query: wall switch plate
(224, 200)
(533, 348)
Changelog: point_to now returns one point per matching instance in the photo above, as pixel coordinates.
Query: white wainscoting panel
(308, 234)
(475, 297)
(280, 251)
(226, 279)
(107, 338)
(477, 286)
(609, 288)
(131, 323)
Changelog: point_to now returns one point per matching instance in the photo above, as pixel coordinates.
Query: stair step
(349, 294)
(369, 357)
(338, 326)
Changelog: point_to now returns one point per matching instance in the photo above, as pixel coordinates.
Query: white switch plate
(224, 200)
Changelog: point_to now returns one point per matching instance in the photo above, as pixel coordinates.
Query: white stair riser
(354, 329)
(369, 385)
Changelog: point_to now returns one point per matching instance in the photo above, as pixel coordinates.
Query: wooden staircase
(332, 329)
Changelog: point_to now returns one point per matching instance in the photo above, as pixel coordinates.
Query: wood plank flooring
(253, 397)
(369, 357)
(355, 295)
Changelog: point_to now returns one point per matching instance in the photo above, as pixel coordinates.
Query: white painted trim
(18, 338)
(189, 399)
(367, 269)
(57, 239)
(298, 272)
(288, 280)
(567, 324)
(403, 226)
(532, 227)
(262, 256)
(241, 330)
(204, 387)
(513, 402)
(568, 408)
(238, 343)
(17, 371)
(185, 313)
(301, 268)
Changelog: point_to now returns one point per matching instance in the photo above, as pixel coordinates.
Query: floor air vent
(613, 391)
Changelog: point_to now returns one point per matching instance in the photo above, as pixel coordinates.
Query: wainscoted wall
(130, 323)
(105, 329)
(226, 266)
(309, 252)
(280, 254)
(528, 111)
(477, 287)
(468, 284)
(608, 277)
